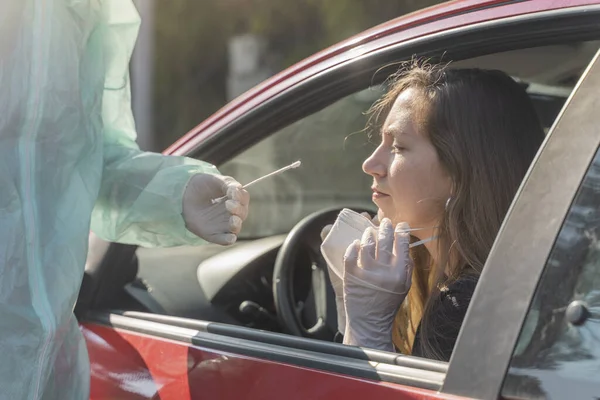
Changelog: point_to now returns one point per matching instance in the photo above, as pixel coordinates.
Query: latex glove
(377, 277)
(218, 223)
(337, 282)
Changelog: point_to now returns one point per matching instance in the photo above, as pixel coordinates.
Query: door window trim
(349, 361)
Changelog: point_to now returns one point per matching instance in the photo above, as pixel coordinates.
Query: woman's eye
(398, 148)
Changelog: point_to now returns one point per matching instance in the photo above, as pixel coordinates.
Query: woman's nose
(373, 165)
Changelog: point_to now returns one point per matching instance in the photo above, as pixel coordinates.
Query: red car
(256, 320)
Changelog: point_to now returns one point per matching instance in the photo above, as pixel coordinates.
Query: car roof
(438, 18)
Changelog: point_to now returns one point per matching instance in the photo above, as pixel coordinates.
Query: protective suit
(68, 152)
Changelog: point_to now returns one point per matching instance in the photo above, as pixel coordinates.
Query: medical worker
(69, 163)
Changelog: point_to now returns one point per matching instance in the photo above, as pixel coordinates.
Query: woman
(455, 146)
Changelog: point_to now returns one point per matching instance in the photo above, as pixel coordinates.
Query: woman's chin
(382, 213)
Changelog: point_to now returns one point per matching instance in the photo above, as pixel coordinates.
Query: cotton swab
(291, 166)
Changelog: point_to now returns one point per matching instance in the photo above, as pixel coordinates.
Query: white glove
(338, 288)
(336, 281)
(377, 277)
(217, 223)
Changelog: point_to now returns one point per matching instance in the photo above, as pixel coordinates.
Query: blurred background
(194, 56)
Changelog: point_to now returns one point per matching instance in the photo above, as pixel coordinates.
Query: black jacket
(444, 318)
(445, 315)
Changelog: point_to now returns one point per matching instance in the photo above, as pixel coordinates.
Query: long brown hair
(486, 133)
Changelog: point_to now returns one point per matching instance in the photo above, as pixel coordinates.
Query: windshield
(332, 145)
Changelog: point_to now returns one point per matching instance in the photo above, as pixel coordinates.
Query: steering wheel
(320, 303)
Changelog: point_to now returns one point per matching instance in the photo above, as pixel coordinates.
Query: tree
(191, 46)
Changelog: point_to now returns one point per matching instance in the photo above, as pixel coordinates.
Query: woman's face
(409, 183)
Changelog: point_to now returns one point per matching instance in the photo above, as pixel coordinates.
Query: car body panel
(436, 19)
(138, 366)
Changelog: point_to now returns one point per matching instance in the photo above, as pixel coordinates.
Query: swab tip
(296, 164)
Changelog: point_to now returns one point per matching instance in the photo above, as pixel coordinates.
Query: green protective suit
(69, 162)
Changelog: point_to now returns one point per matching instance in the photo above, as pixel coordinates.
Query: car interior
(273, 279)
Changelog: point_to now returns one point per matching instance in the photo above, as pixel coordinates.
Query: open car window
(332, 145)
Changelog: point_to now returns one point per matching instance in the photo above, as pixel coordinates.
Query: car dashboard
(232, 285)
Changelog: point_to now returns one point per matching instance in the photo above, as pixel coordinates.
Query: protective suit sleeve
(140, 198)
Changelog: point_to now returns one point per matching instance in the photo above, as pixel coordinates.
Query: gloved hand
(217, 223)
(337, 282)
(377, 277)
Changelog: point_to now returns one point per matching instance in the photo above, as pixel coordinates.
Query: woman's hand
(337, 282)
(377, 277)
